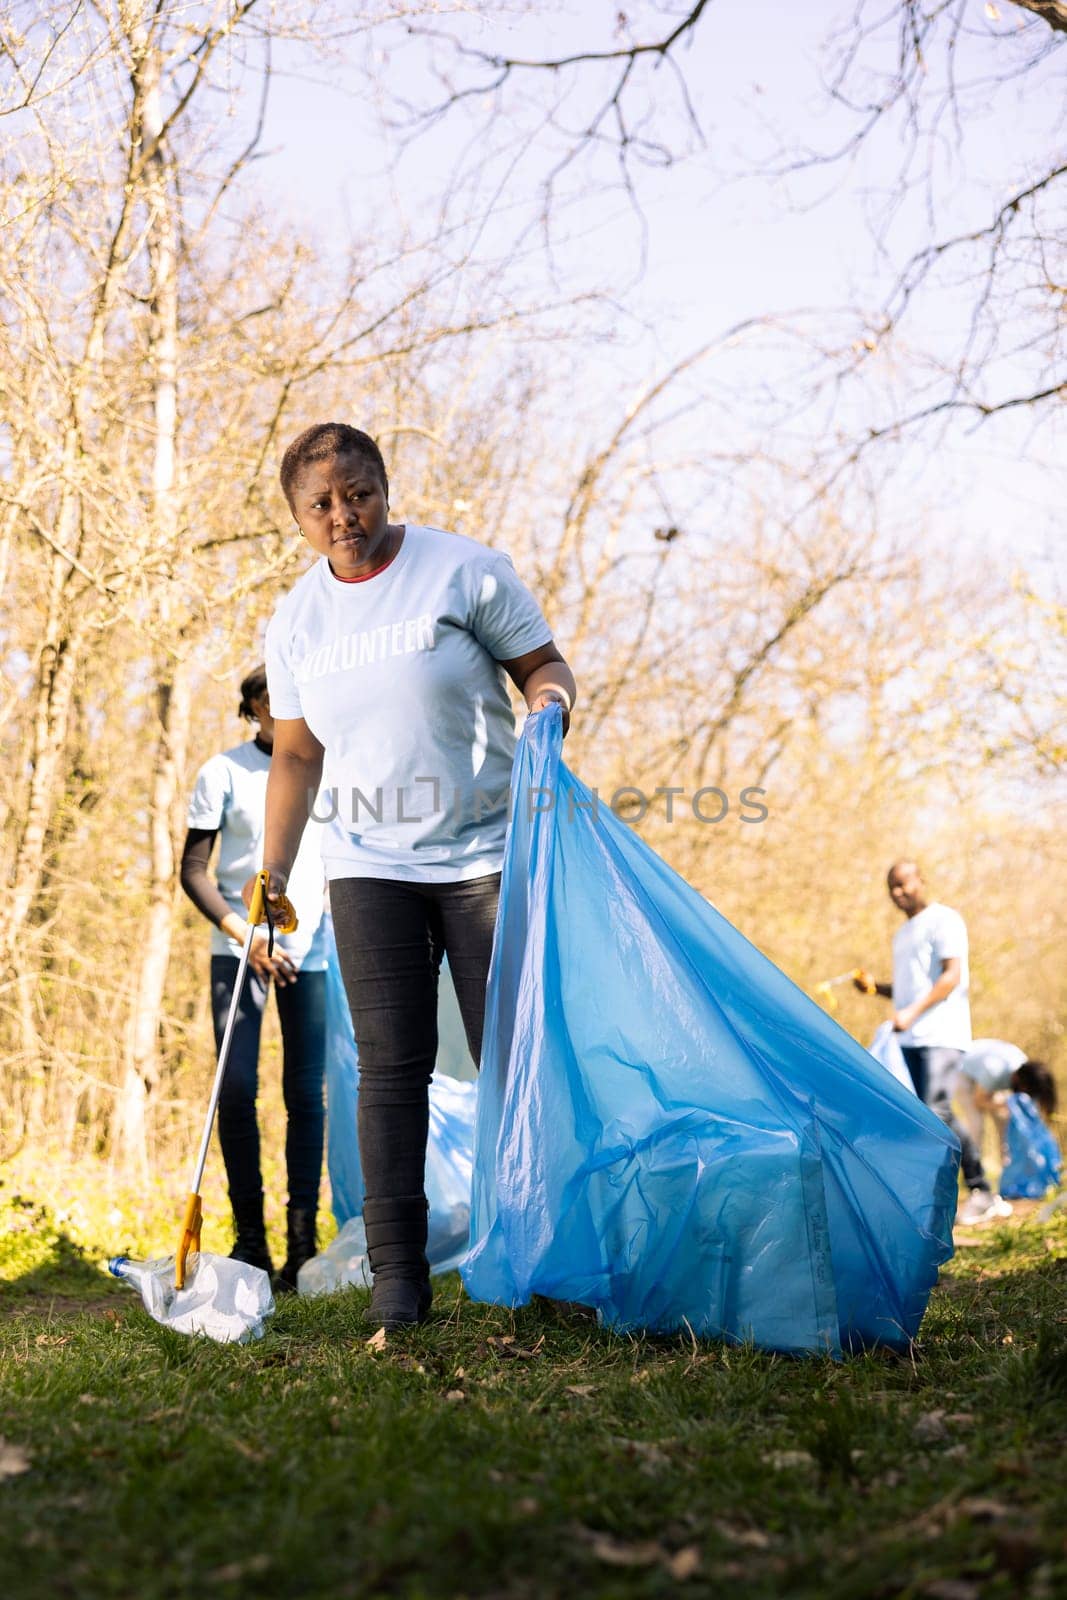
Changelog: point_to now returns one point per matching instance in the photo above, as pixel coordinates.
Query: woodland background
(742, 550)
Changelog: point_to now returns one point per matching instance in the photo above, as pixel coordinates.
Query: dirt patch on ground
(61, 1307)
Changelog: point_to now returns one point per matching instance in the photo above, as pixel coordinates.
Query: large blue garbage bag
(1034, 1159)
(668, 1129)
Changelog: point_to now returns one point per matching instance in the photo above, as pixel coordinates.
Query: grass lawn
(527, 1454)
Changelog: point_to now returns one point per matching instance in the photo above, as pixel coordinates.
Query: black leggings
(302, 1013)
(390, 940)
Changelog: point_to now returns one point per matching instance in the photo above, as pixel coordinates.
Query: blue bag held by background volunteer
(668, 1129)
(1034, 1159)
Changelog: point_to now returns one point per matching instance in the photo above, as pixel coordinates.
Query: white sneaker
(981, 1206)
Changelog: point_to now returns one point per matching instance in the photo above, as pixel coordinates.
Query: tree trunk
(53, 697)
(168, 772)
(141, 1070)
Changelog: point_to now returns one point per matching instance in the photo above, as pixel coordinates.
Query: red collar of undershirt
(367, 576)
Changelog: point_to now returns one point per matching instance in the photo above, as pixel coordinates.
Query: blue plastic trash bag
(448, 1152)
(668, 1129)
(1034, 1160)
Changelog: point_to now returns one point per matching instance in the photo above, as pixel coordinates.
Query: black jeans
(932, 1068)
(390, 940)
(302, 1014)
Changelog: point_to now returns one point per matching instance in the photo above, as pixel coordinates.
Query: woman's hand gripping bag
(668, 1130)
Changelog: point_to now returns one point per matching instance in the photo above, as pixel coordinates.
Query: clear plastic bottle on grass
(225, 1300)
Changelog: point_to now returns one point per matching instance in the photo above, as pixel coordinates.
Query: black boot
(300, 1230)
(250, 1244)
(396, 1249)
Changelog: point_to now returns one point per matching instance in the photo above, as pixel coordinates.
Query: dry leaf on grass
(684, 1563)
(747, 1538)
(455, 1394)
(250, 1452)
(614, 1552)
(978, 1508)
(650, 1457)
(377, 1341)
(504, 1345)
(621, 1552)
(582, 1390)
(14, 1460)
(930, 1427)
(234, 1570)
(789, 1460)
(951, 1589)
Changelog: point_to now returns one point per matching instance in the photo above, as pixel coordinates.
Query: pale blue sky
(720, 248)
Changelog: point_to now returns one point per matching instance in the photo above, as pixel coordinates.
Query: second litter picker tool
(279, 919)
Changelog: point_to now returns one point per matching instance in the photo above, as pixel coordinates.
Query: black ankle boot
(396, 1249)
(250, 1244)
(399, 1302)
(300, 1231)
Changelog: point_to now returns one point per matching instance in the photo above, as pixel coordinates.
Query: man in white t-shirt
(932, 1015)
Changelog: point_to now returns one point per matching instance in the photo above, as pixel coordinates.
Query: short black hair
(254, 687)
(321, 441)
(1035, 1079)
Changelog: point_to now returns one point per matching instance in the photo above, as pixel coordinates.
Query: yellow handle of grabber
(281, 918)
(282, 915)
(825, 990)
(194, 1216)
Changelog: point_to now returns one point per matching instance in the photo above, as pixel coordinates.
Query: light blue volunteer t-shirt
(231, 795)
(990, 1063)
(398, 679)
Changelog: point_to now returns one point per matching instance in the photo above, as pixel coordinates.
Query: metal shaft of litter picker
(284, 919)
(224, 1056)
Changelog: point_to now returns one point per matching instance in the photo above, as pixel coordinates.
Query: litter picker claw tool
(825, 990)
(280, 918)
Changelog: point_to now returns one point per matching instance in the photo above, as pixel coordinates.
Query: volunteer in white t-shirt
(932, 1014)
(992, 1070)
(386, 665)
(228, 804)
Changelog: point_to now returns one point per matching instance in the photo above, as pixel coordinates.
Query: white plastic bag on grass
(225, 1300)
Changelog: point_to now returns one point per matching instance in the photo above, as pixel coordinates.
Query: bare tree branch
(1054, 12)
